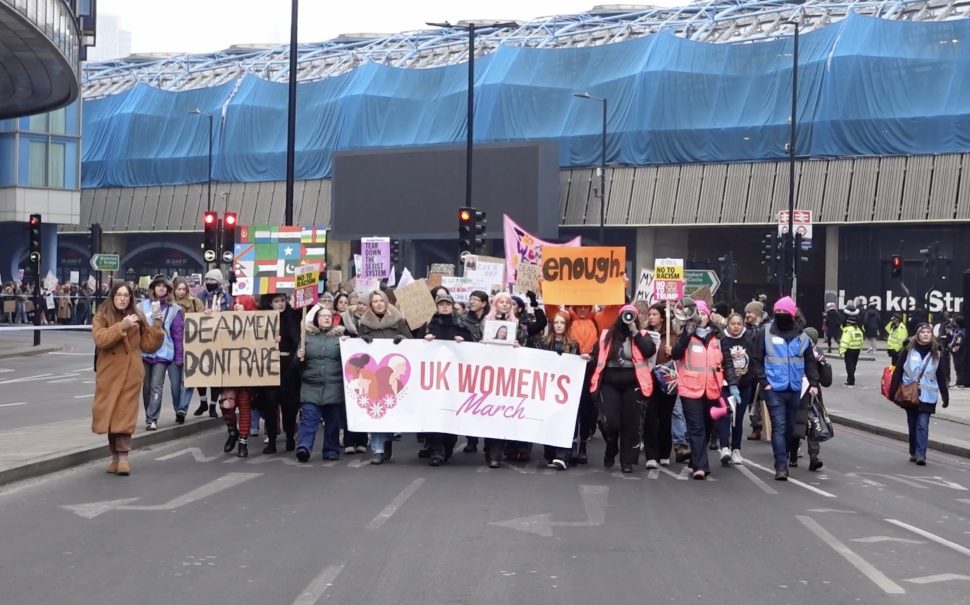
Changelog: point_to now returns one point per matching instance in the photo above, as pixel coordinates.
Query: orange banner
(583, 276)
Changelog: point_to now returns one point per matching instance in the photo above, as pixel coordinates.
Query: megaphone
(685, 310)
(721, 410)
(628, 314)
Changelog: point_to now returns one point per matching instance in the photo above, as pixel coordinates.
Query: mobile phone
(156, 307)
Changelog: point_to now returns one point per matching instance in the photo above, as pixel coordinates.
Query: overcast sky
(209, 25)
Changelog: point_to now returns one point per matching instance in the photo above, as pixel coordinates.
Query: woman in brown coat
(121, 332)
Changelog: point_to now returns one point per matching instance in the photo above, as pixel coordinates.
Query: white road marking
(681, 477)
(877, 577)
(399, 500)
(943, 577)
(937, 482)
(281, 459)
(811, 488)
(358, 463)
(653, 473)
(626, 476)
(10, 405)
(878, 539)
(26, 378)
(316, 589)
(831, 510)
(84, 396)
(195, 452)
(5, 370)
(595, 498)
(964, 500)
(756, 480)
(922, 532)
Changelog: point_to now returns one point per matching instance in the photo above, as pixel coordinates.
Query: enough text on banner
(463, 389)
(589, 275)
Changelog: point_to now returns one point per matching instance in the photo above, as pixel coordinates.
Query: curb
(870, 427)
(63, 460)
(27, 351)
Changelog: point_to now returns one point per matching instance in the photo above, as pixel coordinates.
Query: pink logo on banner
(377, 386)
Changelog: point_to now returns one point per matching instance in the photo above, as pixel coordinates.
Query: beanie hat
(215, 274)
(756, 307)
(160, 279)
(703, 308)
(812, 333)
(519, 301)
(786, 305)
(444, 297)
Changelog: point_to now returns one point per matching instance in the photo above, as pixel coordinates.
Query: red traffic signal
(896, 265)
(34, 220)
(465, 215)
(229, 220)
(209, 218)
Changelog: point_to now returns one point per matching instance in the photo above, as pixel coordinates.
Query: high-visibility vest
(785, 360)
(851, 339)
(915, 364)
(641, 366)
(699, 373)
(897, 337)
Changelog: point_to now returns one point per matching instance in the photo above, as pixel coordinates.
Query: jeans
(179, 402)
(377, 441)
(731, 431)
(678, 425)
(783, 410)
(151, 391)
(310, 422)
(919, 432)
(21, 312)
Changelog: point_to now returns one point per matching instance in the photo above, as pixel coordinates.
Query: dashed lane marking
(931, 536)
(866, 568)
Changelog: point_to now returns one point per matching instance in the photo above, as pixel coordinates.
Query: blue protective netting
(866, 87)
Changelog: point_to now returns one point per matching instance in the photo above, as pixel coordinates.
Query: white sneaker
(736, 457)
(652, 464)
(665, 462)
(151, 426)
(725, 456)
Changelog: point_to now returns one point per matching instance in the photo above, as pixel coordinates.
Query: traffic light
(210, 224)
(480, 224)
(466, 230)
(896, 265)
(94, 239)
(395, 251)
(229, 221)
(33, 236)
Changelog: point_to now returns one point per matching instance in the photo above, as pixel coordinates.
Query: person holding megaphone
(622, 382)
(699, 377)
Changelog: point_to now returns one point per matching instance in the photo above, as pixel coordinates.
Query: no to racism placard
(232, 349)
(462, 389)
(586, 275)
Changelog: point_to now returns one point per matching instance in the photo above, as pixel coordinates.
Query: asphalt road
(193, 525)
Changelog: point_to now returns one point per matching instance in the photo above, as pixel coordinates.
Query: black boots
(203, 407)
(243, 449)
(212, 411)
(271, 445)
(290, 442)
(231, 441)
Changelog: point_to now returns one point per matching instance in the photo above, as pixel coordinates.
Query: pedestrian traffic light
(395, 251)
(94, 239)
(480, 224)
(210, 225)
(466, 230)
(229, 221)
(896, 265)
(34, 238)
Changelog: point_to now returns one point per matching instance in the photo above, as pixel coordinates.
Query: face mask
(784, 321)
(211, 287)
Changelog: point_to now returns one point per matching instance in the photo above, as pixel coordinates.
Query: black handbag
(819, 424)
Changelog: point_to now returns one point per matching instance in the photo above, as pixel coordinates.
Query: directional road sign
(106, 262)
(698, 278)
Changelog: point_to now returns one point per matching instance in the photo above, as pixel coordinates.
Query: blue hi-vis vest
(167, 351)
(785, 361)
(929, 390)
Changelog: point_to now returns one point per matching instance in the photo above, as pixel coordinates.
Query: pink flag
(523, 247)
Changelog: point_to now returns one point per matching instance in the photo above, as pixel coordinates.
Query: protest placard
(232, 349)
(523, 247)
(144, 281)
(487, 270)
(527, 278)
(375, 255)
(75, 277)
(306, 293)
(442, 269)
(365, 285)
(335, 278)
(668, 279)
(415, 303)
(462, 389)
(584, 275)
(499, 332)
(461, 287)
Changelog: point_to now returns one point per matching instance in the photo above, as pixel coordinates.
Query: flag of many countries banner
(266, 256)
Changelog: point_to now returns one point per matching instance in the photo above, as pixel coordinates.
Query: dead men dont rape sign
(463, 389)
(232, 349)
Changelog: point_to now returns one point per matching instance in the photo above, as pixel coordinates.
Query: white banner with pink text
(462, 388)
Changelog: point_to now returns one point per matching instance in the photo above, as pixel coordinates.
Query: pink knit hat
(703, 308)
(786, 305)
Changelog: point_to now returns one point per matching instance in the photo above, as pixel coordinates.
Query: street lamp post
(198, 112)
(792, 241)
(602, 170)
(291, 116)
(470, 119)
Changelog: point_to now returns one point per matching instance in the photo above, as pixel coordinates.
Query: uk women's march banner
(463, 389)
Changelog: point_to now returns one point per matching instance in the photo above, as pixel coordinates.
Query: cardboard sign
(375, 255)
(415, 303)
(334, 279)
(306, 294)
(583, 276)
(487, 270)
(645, 286)
(358, 264)
(463, 389)
(144, 281)
(527, 278)
(232, 349)
(442, 269)
(75, 277)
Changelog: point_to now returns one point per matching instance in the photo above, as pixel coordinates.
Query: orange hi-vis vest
(699, 373)
(641, 366)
